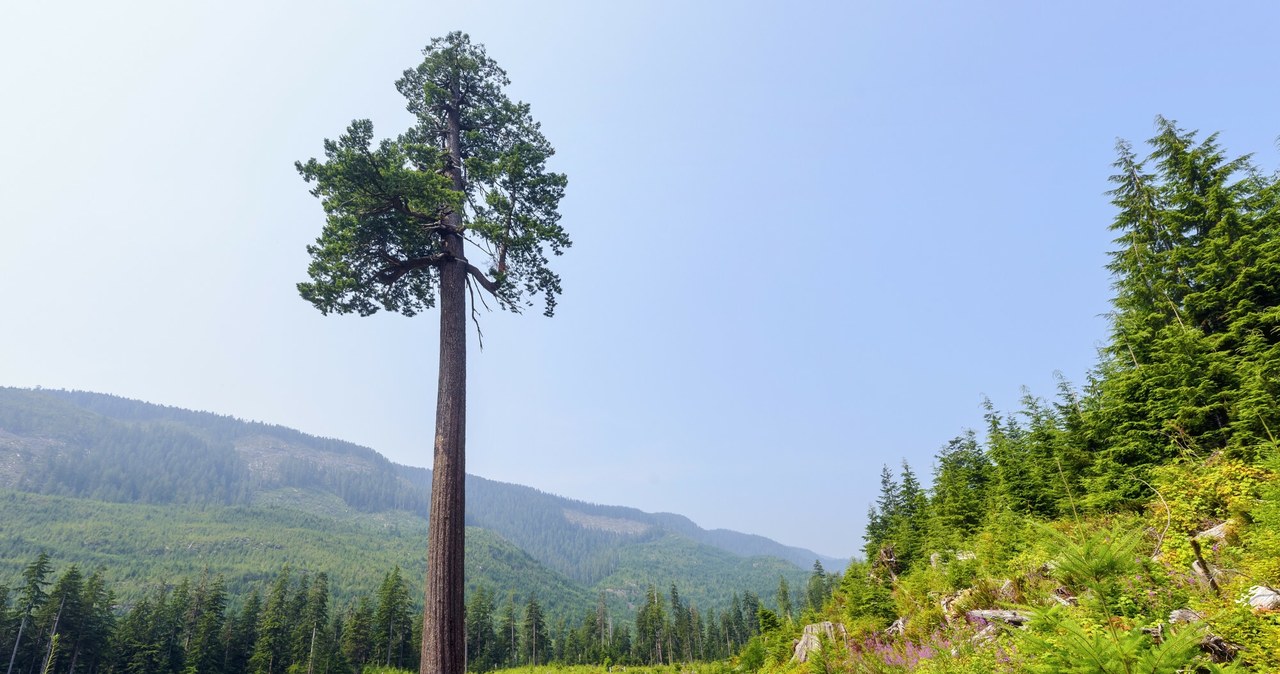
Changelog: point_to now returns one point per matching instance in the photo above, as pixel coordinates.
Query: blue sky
(808, 239)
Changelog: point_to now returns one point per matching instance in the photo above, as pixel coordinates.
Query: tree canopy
(472, 165)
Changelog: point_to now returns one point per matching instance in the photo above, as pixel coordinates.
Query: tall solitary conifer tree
(400, 214)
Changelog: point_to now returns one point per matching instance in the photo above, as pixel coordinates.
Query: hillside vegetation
(237, 482)
(1129, 525)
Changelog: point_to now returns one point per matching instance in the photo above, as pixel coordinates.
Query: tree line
(70, 622)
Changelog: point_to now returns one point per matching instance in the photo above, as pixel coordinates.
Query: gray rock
(1218, 533)
(1264, 598)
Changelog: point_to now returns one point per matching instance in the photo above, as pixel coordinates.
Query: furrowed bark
(443, 630)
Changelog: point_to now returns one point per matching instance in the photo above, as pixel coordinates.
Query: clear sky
(809, 237)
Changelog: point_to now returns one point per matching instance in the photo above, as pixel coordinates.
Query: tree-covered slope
(144, 546)
(1131, 524)
(118, 451)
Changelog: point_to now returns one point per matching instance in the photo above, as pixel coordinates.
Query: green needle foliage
(1059, 644)
(472, 165)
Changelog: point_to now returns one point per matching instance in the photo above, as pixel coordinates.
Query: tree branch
(396, 269)
(484, 281)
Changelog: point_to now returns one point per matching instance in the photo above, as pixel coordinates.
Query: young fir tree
(271, 648)
(204, 652)
(241, 633)
(480, 631)
(907, 528)
(399, 216)
(309, 641)
(679, 638)
(651, 629)
(960, 495)
(816, 591)
(507, 647)
(784, 599)
(91, 647)
(534, 639)
(63, 616)
(881, 514)
(357, 634)
(1192, 365)
(392, 626)
(31, 598)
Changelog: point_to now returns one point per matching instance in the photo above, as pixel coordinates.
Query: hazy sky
(808, 238)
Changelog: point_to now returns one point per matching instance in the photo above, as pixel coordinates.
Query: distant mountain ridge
(104, 447)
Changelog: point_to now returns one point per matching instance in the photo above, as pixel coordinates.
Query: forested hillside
(151, 493)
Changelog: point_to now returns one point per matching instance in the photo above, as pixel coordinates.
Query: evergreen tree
(783, 596)
(31, 598)
(534, 640)
(357, 634)
(960, 491)
(751, 611)
(139, 645)
(909, 522)
(180, 622)
(880, 516)
(681, 637)
(651, 630)
(507, 647)
(1195, 349)
(310, 637)
(698, 634)
(621, 642)
(817, 588)
(271, 649)
(600, 637)
(63, 615)
(204, 651)
(398, 217)
(91, 645)
(240, 634)
(737, 630)
(392, 626)
(480, 631)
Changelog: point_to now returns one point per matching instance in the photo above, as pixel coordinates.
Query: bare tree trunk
(17, 642)
(443, 633)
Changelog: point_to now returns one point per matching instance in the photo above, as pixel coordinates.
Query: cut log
(1015, 618)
